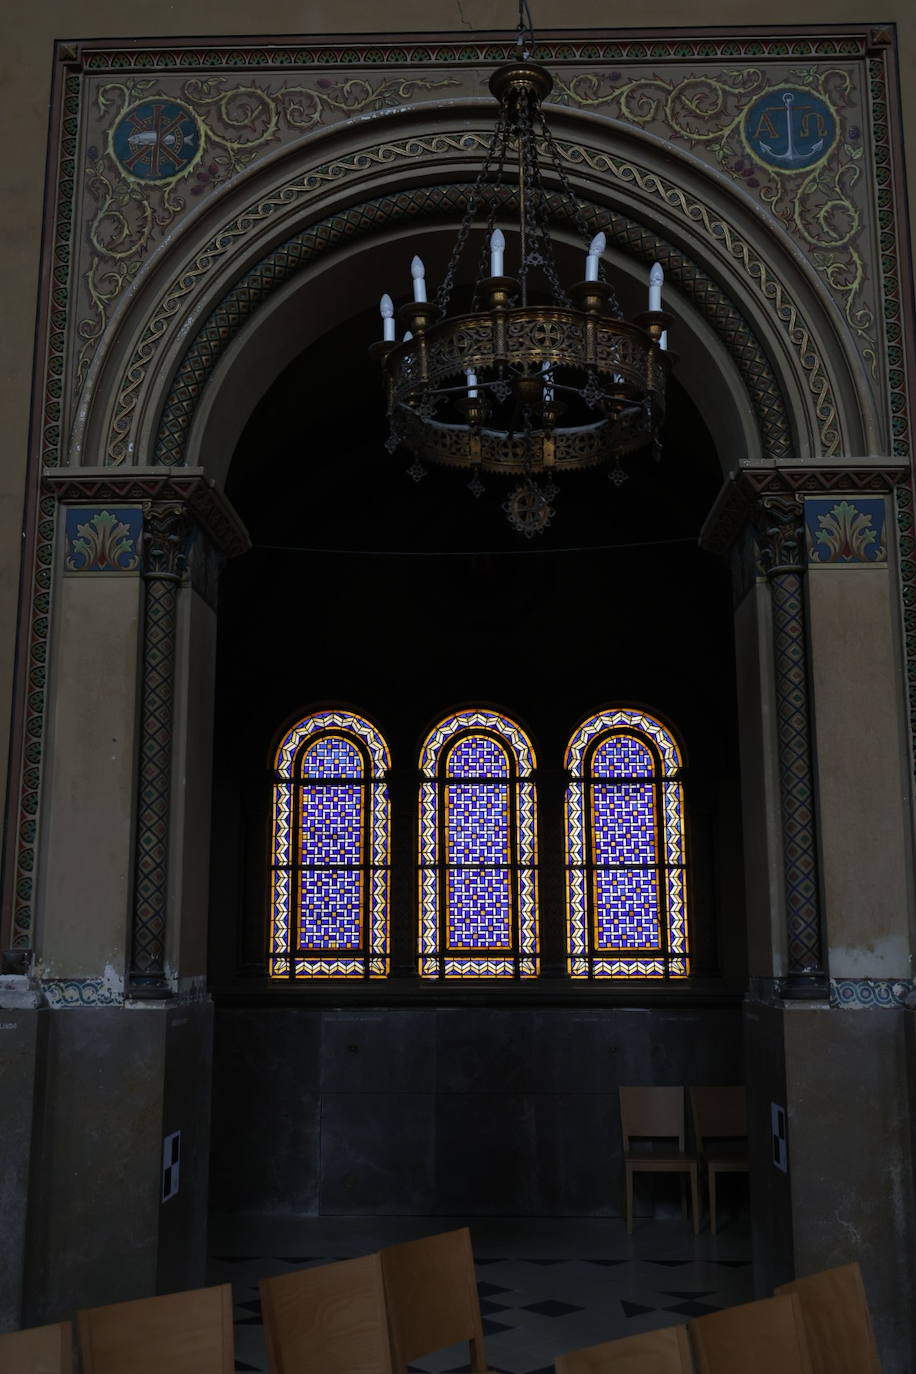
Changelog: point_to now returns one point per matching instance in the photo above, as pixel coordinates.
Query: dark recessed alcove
(403, 601)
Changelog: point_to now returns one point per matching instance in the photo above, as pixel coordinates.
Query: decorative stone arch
(295, 214)
(786, 384)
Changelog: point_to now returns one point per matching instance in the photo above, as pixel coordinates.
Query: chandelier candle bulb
(497, 250)
(418, 272)
(663, 341)
(472, 383)
(656, 277)
(595, 249)
(387, 311)
(547, 373)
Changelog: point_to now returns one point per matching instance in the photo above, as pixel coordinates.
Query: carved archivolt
(139, 383)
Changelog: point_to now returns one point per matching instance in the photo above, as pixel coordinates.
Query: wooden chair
(837, 1320)
(431, 1291)
(655, 1114)
(184, 1333)
(655, 1352)
(327, 1320)
(38, 1350)
(720, 1118)
(754, 1338)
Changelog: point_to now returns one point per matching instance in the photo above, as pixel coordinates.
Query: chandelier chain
(497, 146)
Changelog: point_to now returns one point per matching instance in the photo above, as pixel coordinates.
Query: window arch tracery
(626, 898)
(330, 853)
(478, 849)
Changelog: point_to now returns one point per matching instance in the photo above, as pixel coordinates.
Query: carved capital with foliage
(166, 528)
(779, 529)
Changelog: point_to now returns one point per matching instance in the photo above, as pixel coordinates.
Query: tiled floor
(546, 1285)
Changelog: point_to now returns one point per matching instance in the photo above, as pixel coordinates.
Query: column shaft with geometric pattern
(166, 529)
(779, 522)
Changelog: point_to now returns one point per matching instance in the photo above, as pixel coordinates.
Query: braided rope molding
(288, 258)
(777, 302)
(889, 253)
(232, 56)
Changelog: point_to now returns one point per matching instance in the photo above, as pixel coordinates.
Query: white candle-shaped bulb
(497, 249)
(663, 341)
(595, 249)
(547, 374)
(656, 277)
(418, 272)
(471, 376)
(407, 336)
(387, 309)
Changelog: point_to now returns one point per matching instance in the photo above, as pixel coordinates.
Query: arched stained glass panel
(329, 875)
(625, 856)
(478, 850)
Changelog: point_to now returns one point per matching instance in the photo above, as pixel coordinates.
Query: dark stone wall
(18, 1035)
(443, 1112)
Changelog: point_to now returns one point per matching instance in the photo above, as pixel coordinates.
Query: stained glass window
(330, 868)
(625, 858)
(478, 850)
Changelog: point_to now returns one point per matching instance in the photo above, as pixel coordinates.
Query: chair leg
(628, 1198)
(711, 1185)
(695, 1199)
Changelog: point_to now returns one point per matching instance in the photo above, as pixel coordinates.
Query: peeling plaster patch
(875, 958)
(852, 1231)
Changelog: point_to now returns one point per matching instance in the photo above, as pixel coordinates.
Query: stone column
(779, 529)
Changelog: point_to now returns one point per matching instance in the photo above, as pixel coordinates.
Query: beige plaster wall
(25, 74)
(88, 785)
(861, 763)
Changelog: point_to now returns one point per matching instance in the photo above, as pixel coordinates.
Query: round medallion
(790, 129)
(157, 140)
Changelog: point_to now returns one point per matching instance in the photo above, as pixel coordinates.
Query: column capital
(744, 492)
(206, 504)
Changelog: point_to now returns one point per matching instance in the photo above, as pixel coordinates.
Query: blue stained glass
(623, 823)
(330, 906)
(477, 828)
(626, 903)
(331, 824)
(479, 907)
(477, 822)
(625, 849)
(477, 756)
(622, 756)
(332, 757)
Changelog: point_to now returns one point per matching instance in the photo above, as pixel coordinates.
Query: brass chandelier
(534, 380)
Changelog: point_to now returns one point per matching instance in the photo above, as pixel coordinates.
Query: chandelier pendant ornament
(534, 380)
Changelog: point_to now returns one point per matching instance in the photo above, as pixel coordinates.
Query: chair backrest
(38, 1350)
(652, 1112)
(753, 1338)
(329, 1319)
(837, 1321)
(654, 1352)
(431, 1290)
(185, 1333)
(718, 1113)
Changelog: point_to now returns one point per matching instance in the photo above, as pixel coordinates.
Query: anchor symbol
(791, 155)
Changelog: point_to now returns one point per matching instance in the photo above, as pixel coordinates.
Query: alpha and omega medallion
(790, 129)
